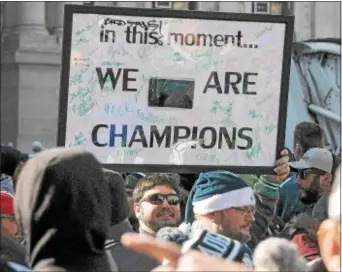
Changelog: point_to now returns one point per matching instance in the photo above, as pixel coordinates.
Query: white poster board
(175, 91)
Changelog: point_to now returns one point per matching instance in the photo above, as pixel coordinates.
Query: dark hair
(308, 135)
(10, 159)
(152, 180)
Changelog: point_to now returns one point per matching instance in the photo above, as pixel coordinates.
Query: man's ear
(326, 181)
(137, 209)
(296, 148)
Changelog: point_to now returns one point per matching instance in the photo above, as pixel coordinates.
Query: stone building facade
(31, 35)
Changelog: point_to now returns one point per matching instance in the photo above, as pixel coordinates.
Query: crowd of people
(62, 211)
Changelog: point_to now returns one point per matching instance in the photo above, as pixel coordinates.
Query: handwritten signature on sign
(129, 152)
(75, 79)
(146, 25)
(107, 63)
(205, 60)
(83, 30)
(226, 110)
(115, 52)
(254, 114)
(208, 157)
(253, 152)
(128, 109)
(80, 40)
(268, 129)
(85, 103)
(79, 139)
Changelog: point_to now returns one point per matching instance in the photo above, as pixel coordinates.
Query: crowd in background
(62, 211)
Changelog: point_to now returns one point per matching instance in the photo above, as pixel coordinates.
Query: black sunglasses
(158, 199)
(305, 172)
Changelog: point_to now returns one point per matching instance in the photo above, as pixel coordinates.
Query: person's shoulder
(129, 260)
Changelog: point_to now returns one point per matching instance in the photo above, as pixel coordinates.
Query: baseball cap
(318, 158)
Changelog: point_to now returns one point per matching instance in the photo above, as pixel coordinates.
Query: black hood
(120, 206)
(63, 206)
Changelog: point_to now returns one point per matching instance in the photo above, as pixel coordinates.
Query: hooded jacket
(63, 207)
(125, 258)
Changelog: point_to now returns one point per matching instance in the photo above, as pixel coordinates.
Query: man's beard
(240, 237)
(155, 225)
(308, 197)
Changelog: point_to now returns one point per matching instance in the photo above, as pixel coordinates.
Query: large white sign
(145, 88)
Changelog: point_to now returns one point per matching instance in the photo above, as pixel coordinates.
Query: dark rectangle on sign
(171, 93)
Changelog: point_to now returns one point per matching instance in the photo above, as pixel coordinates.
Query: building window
(183, 5)
(274, 8)
(261, 7)
(162, 4)
(277, 8)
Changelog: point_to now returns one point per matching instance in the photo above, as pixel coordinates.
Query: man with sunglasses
(315, 180)
(306, 135)
(156, 203)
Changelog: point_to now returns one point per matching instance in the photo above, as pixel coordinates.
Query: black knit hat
(120, 206)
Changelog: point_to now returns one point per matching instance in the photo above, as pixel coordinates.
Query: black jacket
(10, 251)
(126, 259)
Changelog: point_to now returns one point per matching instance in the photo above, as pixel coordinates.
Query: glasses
(158, 199)
(305, 173)
(245, 212)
